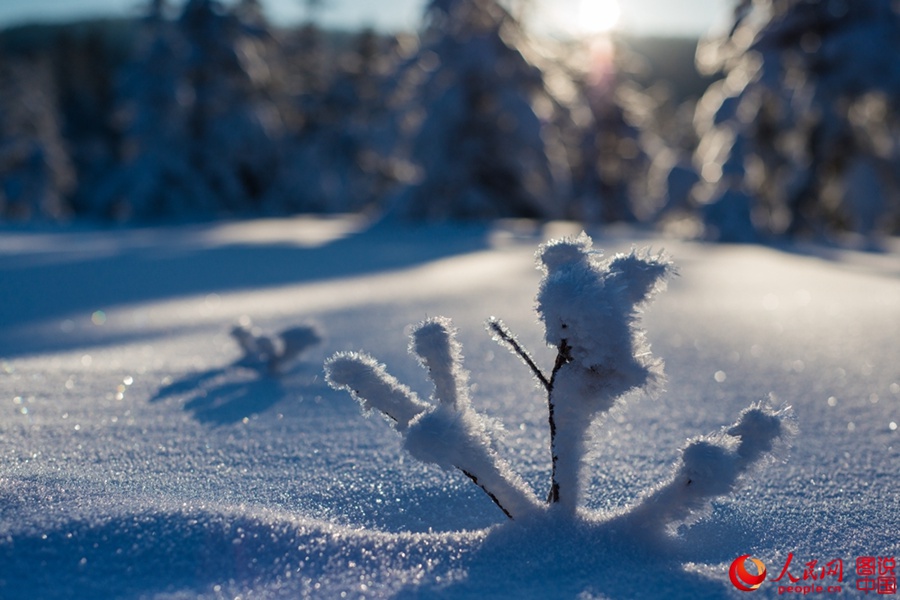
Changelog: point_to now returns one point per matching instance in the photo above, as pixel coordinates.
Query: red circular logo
(742, 578)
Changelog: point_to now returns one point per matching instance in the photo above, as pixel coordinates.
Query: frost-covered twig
(274, 353)
(503, 334)
(589, 308)
(713, 466)
(448, 433)
(563, 357)
(374, 388)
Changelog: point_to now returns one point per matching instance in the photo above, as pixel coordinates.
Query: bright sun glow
(598, 16)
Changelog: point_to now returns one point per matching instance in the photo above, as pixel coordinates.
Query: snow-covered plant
(711, 466)
(590, 309)
(275, 353)
(447, 432)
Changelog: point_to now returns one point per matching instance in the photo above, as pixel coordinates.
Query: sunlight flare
(598, 16)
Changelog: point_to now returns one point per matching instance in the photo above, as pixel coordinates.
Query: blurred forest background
(784, 124)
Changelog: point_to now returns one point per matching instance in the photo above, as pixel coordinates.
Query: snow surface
(140, 458)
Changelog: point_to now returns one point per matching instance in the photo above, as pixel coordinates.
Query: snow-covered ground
(140, 458)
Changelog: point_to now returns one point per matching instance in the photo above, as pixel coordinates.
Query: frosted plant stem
(369, 383)
(373, 387)
(713, 466)
(505, 335)
(466, 444)
(563, 356)
(486, 491)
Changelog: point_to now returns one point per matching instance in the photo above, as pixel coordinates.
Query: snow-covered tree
(669, 140)
(809, 96)
(590, 309)
(609, 159)
(84, 64)
(156, 176)
(624, 134)
(340, 154)
(199, 124)
(232, 121)
(36, 173)
(480, 144)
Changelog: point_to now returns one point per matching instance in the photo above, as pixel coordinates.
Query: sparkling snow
(140, 458)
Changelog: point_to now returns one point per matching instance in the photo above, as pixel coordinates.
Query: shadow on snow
(176, 262)
(226, 395)
(198, 551)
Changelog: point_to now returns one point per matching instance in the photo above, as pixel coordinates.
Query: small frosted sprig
(714, 466)
(373, 387)
(590, 308)
(446, 432)
(502, 334)
(274, 353)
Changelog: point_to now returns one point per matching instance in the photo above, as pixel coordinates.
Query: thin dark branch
(563, 356)
(467, 474)
(505, 335)
(486, 491)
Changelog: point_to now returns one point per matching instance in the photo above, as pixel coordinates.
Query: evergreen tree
(199, 122)
(340, 158)
(613, 145)
(84, 66)
(480, 146)
(232, 121)
(155, 177)
(36, 173)
(808, 100)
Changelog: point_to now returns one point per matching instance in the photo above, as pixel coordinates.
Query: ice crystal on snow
(589, 306)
